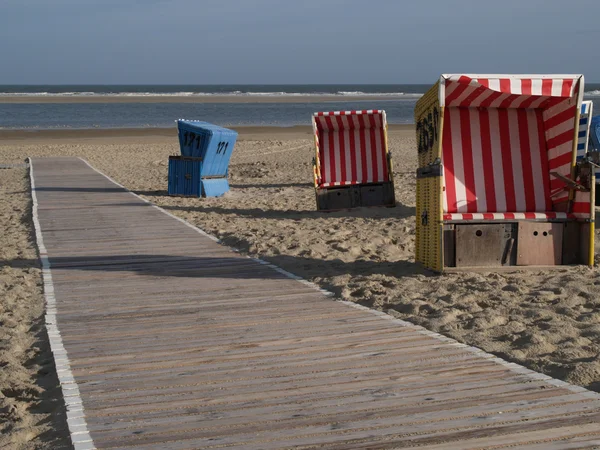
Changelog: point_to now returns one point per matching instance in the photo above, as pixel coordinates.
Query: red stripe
(385, 175)
(566, 88)
(488, 101)
(551, 215)
(581, 207)
(567, 114)
(467, 153)
(456, 93)
(448, 162)
(505, 85)
(508, 101)
(488, 216)
(556, 184)
(488, 162)
(559, 161)
(352, 147)
(527, 103)
(561, 139)
(363, 147)
(484, 82)
(525, 145)
(374, 149)
(546, 86)
(343, 149)
(529, 215)
(331, 149)
(322, 160)
(509, 215)
(526, 86)
(472, 96)
(509, 182)
(447, 216)
(543, 158)
(467, 216)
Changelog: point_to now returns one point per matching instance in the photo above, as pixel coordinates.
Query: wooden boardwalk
(165, 339)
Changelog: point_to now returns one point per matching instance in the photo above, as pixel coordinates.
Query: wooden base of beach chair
(355, 196)
(516, 244)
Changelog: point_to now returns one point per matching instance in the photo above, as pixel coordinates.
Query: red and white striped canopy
(502, 138)
(351, 147)
(508, 91)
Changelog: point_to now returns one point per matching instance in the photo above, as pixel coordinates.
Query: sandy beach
(548, 321)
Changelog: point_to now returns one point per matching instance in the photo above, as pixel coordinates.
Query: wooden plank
(175, 341)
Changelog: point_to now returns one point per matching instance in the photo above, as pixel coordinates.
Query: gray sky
(292, 41)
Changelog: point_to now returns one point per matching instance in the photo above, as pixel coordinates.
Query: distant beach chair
(593, 148)
(352, 165)
(498, 182)
(203, 167)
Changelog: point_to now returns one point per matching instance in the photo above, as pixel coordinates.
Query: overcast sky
(292, 41)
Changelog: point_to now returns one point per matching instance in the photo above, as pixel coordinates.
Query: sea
(398, 100)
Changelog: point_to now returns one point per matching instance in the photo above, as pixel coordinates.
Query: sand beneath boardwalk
(546, 320)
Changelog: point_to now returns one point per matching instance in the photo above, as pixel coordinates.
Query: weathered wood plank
(177, 342)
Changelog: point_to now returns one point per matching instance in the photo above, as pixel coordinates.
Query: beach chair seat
(352, 165)
(497, 183)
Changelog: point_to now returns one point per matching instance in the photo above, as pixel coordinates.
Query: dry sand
(32, 413)
(546, 320)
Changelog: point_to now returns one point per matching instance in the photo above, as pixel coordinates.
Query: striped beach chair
(585, 118)
(498, 182)
(352, 165)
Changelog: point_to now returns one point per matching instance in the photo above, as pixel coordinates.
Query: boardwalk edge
(78, 430)
(514, 367)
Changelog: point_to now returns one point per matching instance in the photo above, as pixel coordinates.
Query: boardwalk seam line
(76, 423)
(514, 367)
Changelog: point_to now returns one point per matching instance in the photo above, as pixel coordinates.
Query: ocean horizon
(398, 100)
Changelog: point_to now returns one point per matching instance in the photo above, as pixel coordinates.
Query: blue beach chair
(203, 167)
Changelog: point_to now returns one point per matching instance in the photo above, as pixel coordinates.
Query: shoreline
(200, 98)
(11, 137)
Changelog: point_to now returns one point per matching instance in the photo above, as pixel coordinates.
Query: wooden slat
(178, 342)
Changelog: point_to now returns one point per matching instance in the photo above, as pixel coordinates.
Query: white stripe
(561, 128)
(516, 86)
(457, 155)
(494, 84)
(325, 165)
(536, 160)
(497, 161)
(478, 160)
(515, 150)
(347, 149)
(557, 87)
(519, 216)
(536, 86)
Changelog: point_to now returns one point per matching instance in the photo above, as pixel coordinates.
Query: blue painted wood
(212, 146)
